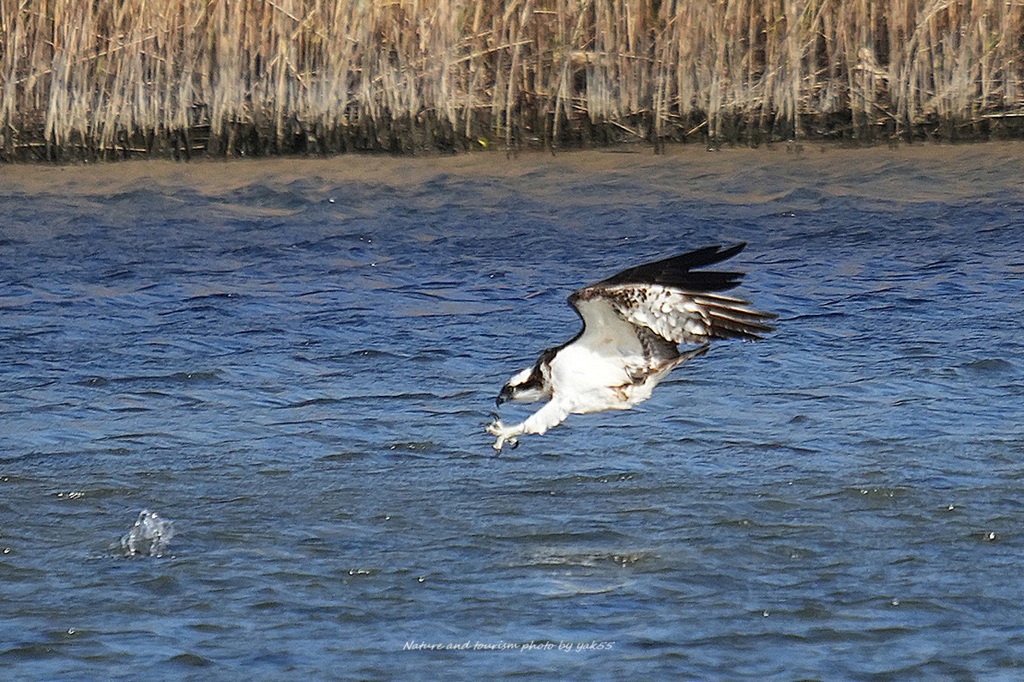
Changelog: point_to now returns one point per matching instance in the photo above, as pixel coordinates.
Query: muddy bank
(733, 175)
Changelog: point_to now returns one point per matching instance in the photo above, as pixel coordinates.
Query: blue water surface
(296, 373)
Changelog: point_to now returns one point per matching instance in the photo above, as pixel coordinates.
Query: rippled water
(295, 368)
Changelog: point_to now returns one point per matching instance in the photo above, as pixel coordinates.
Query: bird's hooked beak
(504, 396)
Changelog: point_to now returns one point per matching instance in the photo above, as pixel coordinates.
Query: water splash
(149, 536)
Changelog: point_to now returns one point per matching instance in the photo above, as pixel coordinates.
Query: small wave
(175, 377)
(586, 478)
(311, 402)
(989, 366)
(592, 559)
(374, 353)
(346, 456)
(414, 446)
(189, 660)
(219, 295)
(872, 495)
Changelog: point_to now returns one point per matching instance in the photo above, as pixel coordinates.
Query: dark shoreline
(249, 141)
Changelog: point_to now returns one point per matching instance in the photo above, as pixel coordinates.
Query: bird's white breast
(592, 374)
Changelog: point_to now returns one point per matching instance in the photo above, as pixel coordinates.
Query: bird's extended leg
(540, 421)
(504, 434)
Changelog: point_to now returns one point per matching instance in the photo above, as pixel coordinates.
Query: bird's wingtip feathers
(681, 270)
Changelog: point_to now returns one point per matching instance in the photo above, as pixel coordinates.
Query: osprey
(633, 323)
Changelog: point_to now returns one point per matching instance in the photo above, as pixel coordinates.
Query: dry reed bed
(100, 78)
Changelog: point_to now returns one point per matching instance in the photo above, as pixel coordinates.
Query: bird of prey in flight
(633, 325)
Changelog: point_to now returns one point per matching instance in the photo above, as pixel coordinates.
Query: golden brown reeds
(103, 78)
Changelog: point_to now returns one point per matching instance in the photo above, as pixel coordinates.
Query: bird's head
(530, 385)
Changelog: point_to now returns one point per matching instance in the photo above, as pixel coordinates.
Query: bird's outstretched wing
(675, 301)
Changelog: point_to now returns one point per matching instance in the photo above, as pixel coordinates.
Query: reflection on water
(295, 361)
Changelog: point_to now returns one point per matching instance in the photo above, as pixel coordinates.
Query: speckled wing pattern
(679, 303)
(682, 317)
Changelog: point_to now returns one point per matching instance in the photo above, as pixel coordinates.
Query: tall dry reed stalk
(104, 78)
